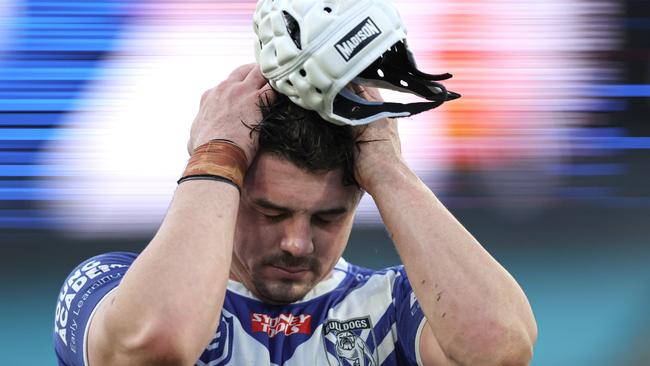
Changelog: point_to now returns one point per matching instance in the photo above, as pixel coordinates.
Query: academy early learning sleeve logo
(357, 39)
(347, 341)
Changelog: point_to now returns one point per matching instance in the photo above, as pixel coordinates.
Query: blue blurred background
(545, 159)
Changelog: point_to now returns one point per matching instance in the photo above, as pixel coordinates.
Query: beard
(285, 291)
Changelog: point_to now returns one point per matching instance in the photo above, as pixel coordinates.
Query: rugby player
(246, 267)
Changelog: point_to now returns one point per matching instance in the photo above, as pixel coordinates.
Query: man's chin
(281, 291)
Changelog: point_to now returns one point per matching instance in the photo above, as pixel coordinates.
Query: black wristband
(217, 178)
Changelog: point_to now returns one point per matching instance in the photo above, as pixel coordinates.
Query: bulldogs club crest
(349, 342)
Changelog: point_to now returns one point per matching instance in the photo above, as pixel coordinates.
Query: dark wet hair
(305, 139)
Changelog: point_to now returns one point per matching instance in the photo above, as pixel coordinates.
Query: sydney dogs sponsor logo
(357, 39)
(286, 324)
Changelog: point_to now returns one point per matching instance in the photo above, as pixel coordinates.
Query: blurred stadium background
(545, 159)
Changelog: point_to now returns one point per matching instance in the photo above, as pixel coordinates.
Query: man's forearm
(170, 298)
(472, 304)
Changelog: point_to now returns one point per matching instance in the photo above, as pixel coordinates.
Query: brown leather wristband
(217, 158)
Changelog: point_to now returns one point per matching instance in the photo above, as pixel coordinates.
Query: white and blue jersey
(356, 317)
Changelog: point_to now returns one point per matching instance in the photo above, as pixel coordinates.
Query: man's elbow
(165, 349)
(502, 346)
(154, 347)
(154, 352)
(511, 342)
(515, 349)
(522, 344)
(514, 354)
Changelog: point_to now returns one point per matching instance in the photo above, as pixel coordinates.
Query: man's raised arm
(476, 312)
(167, 307)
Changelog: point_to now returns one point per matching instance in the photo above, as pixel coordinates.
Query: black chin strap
(351, 106)
(396, 70)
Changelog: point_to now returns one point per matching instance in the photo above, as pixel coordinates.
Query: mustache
(289, 261)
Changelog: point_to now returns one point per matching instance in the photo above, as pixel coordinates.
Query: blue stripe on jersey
(383, 326)
(409, 315)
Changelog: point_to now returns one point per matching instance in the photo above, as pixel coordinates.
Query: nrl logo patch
(357, 39)
(347, 342)
(221, 344)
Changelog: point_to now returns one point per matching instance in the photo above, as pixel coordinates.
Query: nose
(297, 238)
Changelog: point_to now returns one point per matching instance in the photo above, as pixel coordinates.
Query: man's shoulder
(111, 257)
(361, 283)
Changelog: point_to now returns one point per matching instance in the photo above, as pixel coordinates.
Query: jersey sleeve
(409, 318)
(80, 294)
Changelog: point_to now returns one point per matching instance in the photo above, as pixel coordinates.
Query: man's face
(292, 228)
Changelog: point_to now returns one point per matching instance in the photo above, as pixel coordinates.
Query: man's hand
(379, 145)
(226, 109)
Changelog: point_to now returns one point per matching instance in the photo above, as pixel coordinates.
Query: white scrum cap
(310, 50)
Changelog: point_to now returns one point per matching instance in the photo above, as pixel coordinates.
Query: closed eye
(275, 217)
(326, 219)
(320, 220)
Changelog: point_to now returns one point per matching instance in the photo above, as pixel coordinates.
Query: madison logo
(286, 324)
(357, 39)
(347, 344)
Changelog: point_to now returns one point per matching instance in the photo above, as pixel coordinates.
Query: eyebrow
(264, 203)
